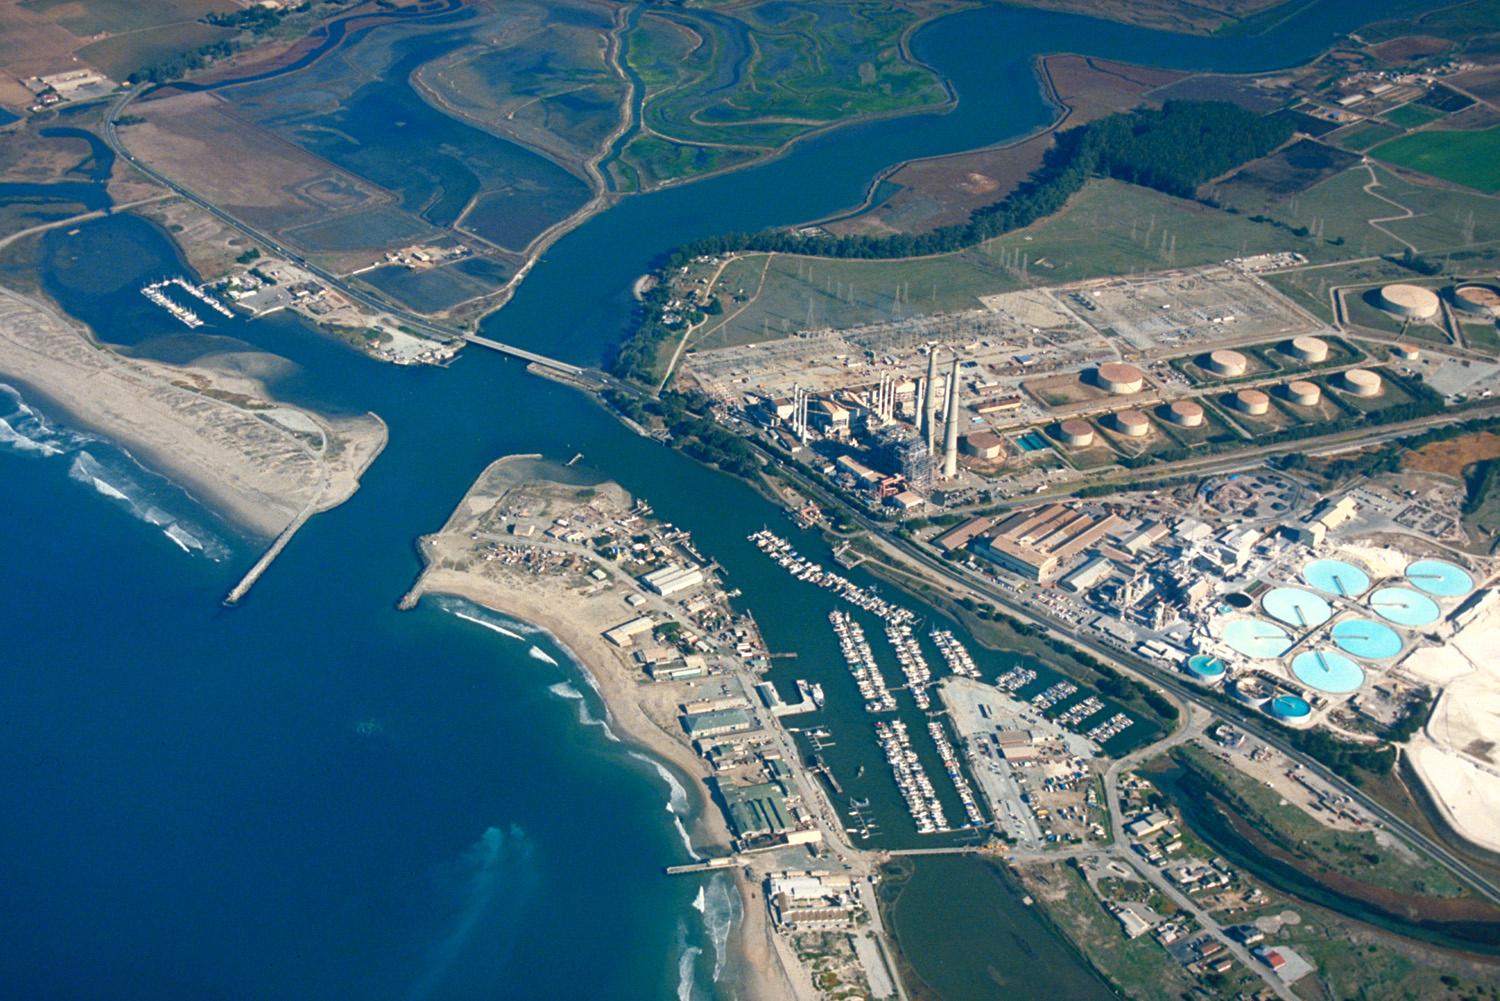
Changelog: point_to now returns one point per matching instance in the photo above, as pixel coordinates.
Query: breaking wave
(677, 800)
(565, 690)
(110, 471)
(537, 653)
(687, 959)
(720, 907)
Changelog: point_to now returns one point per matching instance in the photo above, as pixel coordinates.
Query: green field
(1357, 854)
(122, 55)
(758, 75)
(1468, 158)
(1410, 116)
(1109, 228)
(111, 17)
(1362, 136)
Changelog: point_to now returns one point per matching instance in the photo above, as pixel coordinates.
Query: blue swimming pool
(1296, 607)
(1439, 577)
(1337, 577)
(1328, 671)
(1256, 637)
(1404, 606)
(1366, 639)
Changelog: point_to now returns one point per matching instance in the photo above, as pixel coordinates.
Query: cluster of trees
(257, 20)
(695, 435)
(1173, 150)
(1479, 480)
(1387, 458)
(183, 63)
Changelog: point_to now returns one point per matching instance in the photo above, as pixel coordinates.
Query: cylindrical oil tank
(1226, 363)
(1077, 433)
(1361, 382)
(1119, 378)
(1252, 401)
(1303, 393)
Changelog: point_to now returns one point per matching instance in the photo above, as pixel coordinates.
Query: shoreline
(748, 951)
(575, 628)
(258, 462)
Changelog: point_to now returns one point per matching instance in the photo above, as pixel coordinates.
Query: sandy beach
(640, 713)
(260, 463)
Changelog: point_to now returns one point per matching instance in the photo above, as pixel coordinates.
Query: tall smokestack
(950, 431)
(930, 403)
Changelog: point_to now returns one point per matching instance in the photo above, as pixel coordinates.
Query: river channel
(313, 795)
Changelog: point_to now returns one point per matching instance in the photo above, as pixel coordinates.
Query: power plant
(930, 402)
(950, 426)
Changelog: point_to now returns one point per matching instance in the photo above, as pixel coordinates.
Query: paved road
(418, 323)
(1152, 673)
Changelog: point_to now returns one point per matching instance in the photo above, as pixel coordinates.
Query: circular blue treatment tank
(1337, 577)
(1289, 707)
(1296, 607)
(1439, 577)
(1328, 671)
(1366, 639)
(1404, 606)
(1206, 668)
(1257, 638)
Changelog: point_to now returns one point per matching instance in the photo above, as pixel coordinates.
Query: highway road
(1150, 673)
(418, 323)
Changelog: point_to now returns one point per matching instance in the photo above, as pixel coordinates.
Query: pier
(268, 557)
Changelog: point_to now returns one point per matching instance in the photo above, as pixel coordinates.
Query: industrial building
(901, 450)
(756, 811)
(1037, 542)
(625, 633)
(670, 580)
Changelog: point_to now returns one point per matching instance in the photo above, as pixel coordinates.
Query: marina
(913, 664)
(955, 654)
(156, 294)
(807, 570)
(955, 772)
(860, 660)
(916, 788)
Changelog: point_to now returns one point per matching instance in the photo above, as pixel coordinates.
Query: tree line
(1173, 149)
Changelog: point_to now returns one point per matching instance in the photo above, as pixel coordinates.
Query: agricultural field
(86, 18)
(1411, 116)
(118, 56)
(1468, 158)
(1362, 136)
(1266, 182)
(749, 79)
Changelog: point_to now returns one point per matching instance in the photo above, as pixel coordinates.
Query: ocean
(313, 795)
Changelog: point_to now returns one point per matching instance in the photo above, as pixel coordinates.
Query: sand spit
(263, 465)
(575, 611)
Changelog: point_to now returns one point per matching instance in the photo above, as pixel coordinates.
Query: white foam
(19, 442)
(492, 626)
(699, 902)
(685, 963)
(537, 653)
(565, 690)
(721, 906)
